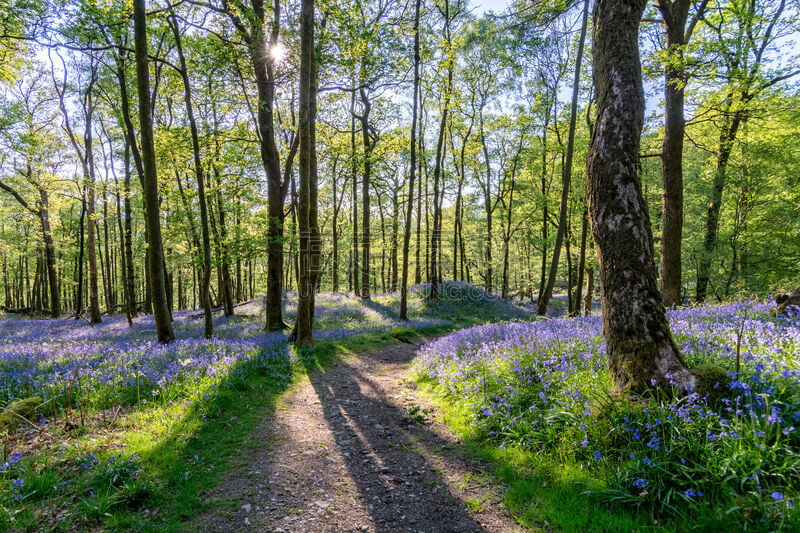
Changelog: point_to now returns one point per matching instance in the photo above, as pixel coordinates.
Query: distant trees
(445, 145)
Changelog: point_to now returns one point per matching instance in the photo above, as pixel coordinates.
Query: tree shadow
(385, 311)
(386, 457)
(203, 444)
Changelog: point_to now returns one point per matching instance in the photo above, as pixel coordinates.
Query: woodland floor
(340, 454)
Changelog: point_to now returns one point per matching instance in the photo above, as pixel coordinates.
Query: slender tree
(155, 266)
(205, 283)
(566, 171)
(676, 16)
(412, 168)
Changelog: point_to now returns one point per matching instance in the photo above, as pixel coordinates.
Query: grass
(534, 400)
(143, 450)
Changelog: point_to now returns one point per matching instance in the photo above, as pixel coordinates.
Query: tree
(205, 284)
(412, 169)
(676, 16)
(307, 206)
(641, 351)
(742, 33)
(85, 155)
(566, 176)
(251, 24)
(161, 312)
(33, 142)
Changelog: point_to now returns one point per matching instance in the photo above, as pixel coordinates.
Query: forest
(204, 203)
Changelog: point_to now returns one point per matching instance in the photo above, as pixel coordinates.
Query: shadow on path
(387, 456)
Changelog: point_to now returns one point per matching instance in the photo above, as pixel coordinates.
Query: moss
(25, 408)
(712, 381)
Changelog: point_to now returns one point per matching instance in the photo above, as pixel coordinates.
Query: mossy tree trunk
(641, 352)
(791, 299)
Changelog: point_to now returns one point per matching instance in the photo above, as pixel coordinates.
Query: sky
(482, 6)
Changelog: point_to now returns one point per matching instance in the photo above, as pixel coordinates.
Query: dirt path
(339, 456)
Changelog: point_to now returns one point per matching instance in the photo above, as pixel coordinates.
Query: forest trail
(340, 454)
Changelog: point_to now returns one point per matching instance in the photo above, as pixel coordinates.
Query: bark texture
(675, 14)
(641, 352)
(788, 300)
(157, 279)
(307, 216)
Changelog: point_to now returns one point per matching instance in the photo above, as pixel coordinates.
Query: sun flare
(278, 52)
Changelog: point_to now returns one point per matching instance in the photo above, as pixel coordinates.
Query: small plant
(415, 415)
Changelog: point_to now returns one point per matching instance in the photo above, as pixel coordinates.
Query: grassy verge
(151, 465)
(542, 491)
(534, 399)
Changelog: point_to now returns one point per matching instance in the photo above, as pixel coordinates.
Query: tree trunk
(49, 254)
(641, 352)
(487, 204)
(787, 300)
(130, 277)
(587, 299)
(412, 169)
(309, 233)
(672, 153)
(79, 264)
(675, 14)
(161, 310)
(205, 284)
(581, 263)
(335, 230)
(566, 176)
(355, 270)
(369, 142)
(91, 234)
(261, 44)
(393, 279)
(727, 135)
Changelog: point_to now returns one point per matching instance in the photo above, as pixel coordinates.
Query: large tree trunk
(641, 352)
(157, 277)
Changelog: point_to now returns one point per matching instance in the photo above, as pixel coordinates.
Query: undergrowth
(535, 397)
